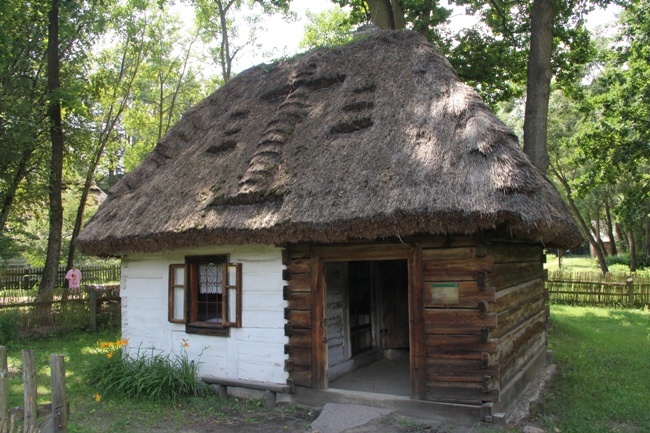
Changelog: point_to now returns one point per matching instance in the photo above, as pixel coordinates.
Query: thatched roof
(374, 139)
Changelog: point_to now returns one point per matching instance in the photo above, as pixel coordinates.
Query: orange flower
(185, 343)
(109, 355)
(124, 342)
(98, 397)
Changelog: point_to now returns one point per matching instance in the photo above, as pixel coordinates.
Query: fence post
(630, 290)
(29, 379)
(4, 387)
(59, 404)
(92, 307)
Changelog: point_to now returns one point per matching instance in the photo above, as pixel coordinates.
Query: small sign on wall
(443, 293)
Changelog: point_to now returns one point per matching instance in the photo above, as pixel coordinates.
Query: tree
(329, 28)
(51, 268)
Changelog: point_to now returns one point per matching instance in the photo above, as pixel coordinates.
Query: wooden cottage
(352, 205)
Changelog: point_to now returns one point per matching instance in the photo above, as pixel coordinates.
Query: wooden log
(299, 319)
(30, 401)
(300, 356)
(530, 350)
(299, 266)
(59, 412)
(300, 283)
(447, 242)
(506, 252)
(469, 294)
(445, 254)
(456, 269)
(458, 346)
(391, 251)
(300, 300)
(519, 294)
(510, 319)
(463, 393)
(511, 343)
(301, 376)
(457, 321)
(248, 384)
(301, 338)
(459, 370)
(506, 275)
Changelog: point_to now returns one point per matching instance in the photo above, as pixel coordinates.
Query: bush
(146, 375)
(10, 324)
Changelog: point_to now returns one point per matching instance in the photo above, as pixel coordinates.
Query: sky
(281, 38)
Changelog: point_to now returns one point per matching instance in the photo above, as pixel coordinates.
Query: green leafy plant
(146, 375)
(10, 323)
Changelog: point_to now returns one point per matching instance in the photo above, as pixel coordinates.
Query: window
(205, 294)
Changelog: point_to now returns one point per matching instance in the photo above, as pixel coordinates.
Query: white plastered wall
(253, 352)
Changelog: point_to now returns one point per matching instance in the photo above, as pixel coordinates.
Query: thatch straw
(375, 139)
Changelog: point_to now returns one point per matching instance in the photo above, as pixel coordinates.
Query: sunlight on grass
(603, 359)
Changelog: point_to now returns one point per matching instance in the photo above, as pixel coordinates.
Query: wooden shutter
(177, 293)
(232, 294)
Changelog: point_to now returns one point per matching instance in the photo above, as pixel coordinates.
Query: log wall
(483, 309)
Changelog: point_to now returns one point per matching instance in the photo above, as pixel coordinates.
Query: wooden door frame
(320, 255)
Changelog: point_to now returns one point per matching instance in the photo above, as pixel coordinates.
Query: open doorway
(368, 326)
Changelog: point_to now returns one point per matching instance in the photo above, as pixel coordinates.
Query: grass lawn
(602, 384)
(603, 379)
(93, 413)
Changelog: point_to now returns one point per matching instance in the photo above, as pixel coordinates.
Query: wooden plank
(248, 384)
(363, 252)
(300, 338)
(300, 283)
(299, 318)
(30, 394)
(445, 254)
(530, 350)
(511, 343)
(512, 274)
(302, 376)
(460, 370)
(59, 412)
(300, 300)
(469, 295)
(300, 356)
(464, 393)
(299, 266)
(459, 346)
(519, 294)
(457, 321)
(512, 318)
(319, 333)
(433, 270)
(506, 252)
(298, 251)
(417, 337)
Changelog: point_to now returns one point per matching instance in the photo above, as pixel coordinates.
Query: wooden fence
(591, 288)
(91, 308)
(28, 278)
(25, 419)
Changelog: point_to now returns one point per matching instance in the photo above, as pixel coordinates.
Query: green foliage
(146, 375)
(329, 28)
(10, 324)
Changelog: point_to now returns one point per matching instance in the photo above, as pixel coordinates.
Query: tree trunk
(619, 235)
(610, 230)
(387, 14)
(56, 165)
(10, 196)
(632, 245)
(599, 238)
(538, 87)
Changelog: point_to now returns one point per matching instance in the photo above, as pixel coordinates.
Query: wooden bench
(270, 389)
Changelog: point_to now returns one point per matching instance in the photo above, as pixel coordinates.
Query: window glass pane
(210, 278)
(179, 302)
(179, 276)
(232, 304)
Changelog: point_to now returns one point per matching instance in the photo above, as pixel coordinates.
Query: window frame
(230, 289)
